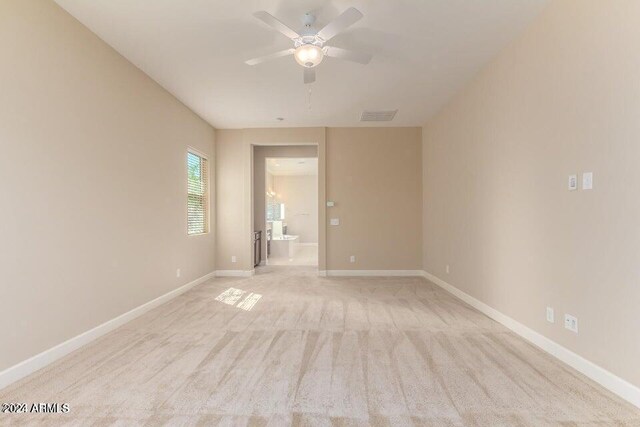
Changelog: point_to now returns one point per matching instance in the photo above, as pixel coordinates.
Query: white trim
(613, 383)
(39, 361)
(322, 273)
(315, 137)
(235, 273)
(376, 273)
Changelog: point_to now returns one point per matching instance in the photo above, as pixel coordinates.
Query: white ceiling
(424, 51)
(292, 166)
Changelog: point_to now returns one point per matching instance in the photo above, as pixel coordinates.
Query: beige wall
(562, 100)
(92, 182)
(374, 177)
(260, 154)
(299, 195)
(230, 206)
(357, 159)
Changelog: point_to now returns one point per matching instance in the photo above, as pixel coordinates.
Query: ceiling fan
(309, 46)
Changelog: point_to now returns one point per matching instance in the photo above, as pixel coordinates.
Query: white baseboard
(39, 361)
(613, 383)
(235, 273)
(322, 273)
(376, 273)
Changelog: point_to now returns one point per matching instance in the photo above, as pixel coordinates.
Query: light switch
(331, 204)
(587, 181)
(573, 182)
(335, 221)
(550, 315)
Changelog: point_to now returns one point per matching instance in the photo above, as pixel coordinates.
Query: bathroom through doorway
(291, 211)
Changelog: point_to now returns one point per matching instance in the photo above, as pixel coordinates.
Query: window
(275, 211)
(198, 194)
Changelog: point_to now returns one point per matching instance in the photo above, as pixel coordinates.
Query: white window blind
(198, 194)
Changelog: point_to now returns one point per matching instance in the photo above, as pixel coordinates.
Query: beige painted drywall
(383, 227)
(230, 204)
(563, 99)
(299, 195)
(92, 182)
(235, 172)
(260, 154)
(374, 178)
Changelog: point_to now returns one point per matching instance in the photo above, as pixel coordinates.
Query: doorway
(287, 197)
(291, 211)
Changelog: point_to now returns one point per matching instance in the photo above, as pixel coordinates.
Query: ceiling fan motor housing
(311, 39)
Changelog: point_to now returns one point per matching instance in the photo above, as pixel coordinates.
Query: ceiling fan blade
(341, 23)
(348, 55)
(266, 58)
(276, 24)
(309, 75)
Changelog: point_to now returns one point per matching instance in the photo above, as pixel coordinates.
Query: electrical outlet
(352, 259)
(550, 315)
(178, 273)
(571, 323)
(447, 268)
(234, 259)
(573, 182)
(334, 221)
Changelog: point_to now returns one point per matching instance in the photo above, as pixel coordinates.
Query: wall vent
(378, 116)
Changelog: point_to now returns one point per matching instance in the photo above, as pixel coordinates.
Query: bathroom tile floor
(306, 255)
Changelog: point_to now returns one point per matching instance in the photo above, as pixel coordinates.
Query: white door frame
(284, 136)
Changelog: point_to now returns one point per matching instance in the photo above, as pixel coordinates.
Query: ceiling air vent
(378, 116)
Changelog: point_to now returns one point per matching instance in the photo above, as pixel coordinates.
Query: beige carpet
(286, 347)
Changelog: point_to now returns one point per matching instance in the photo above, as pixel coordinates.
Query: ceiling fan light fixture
(308, 55)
